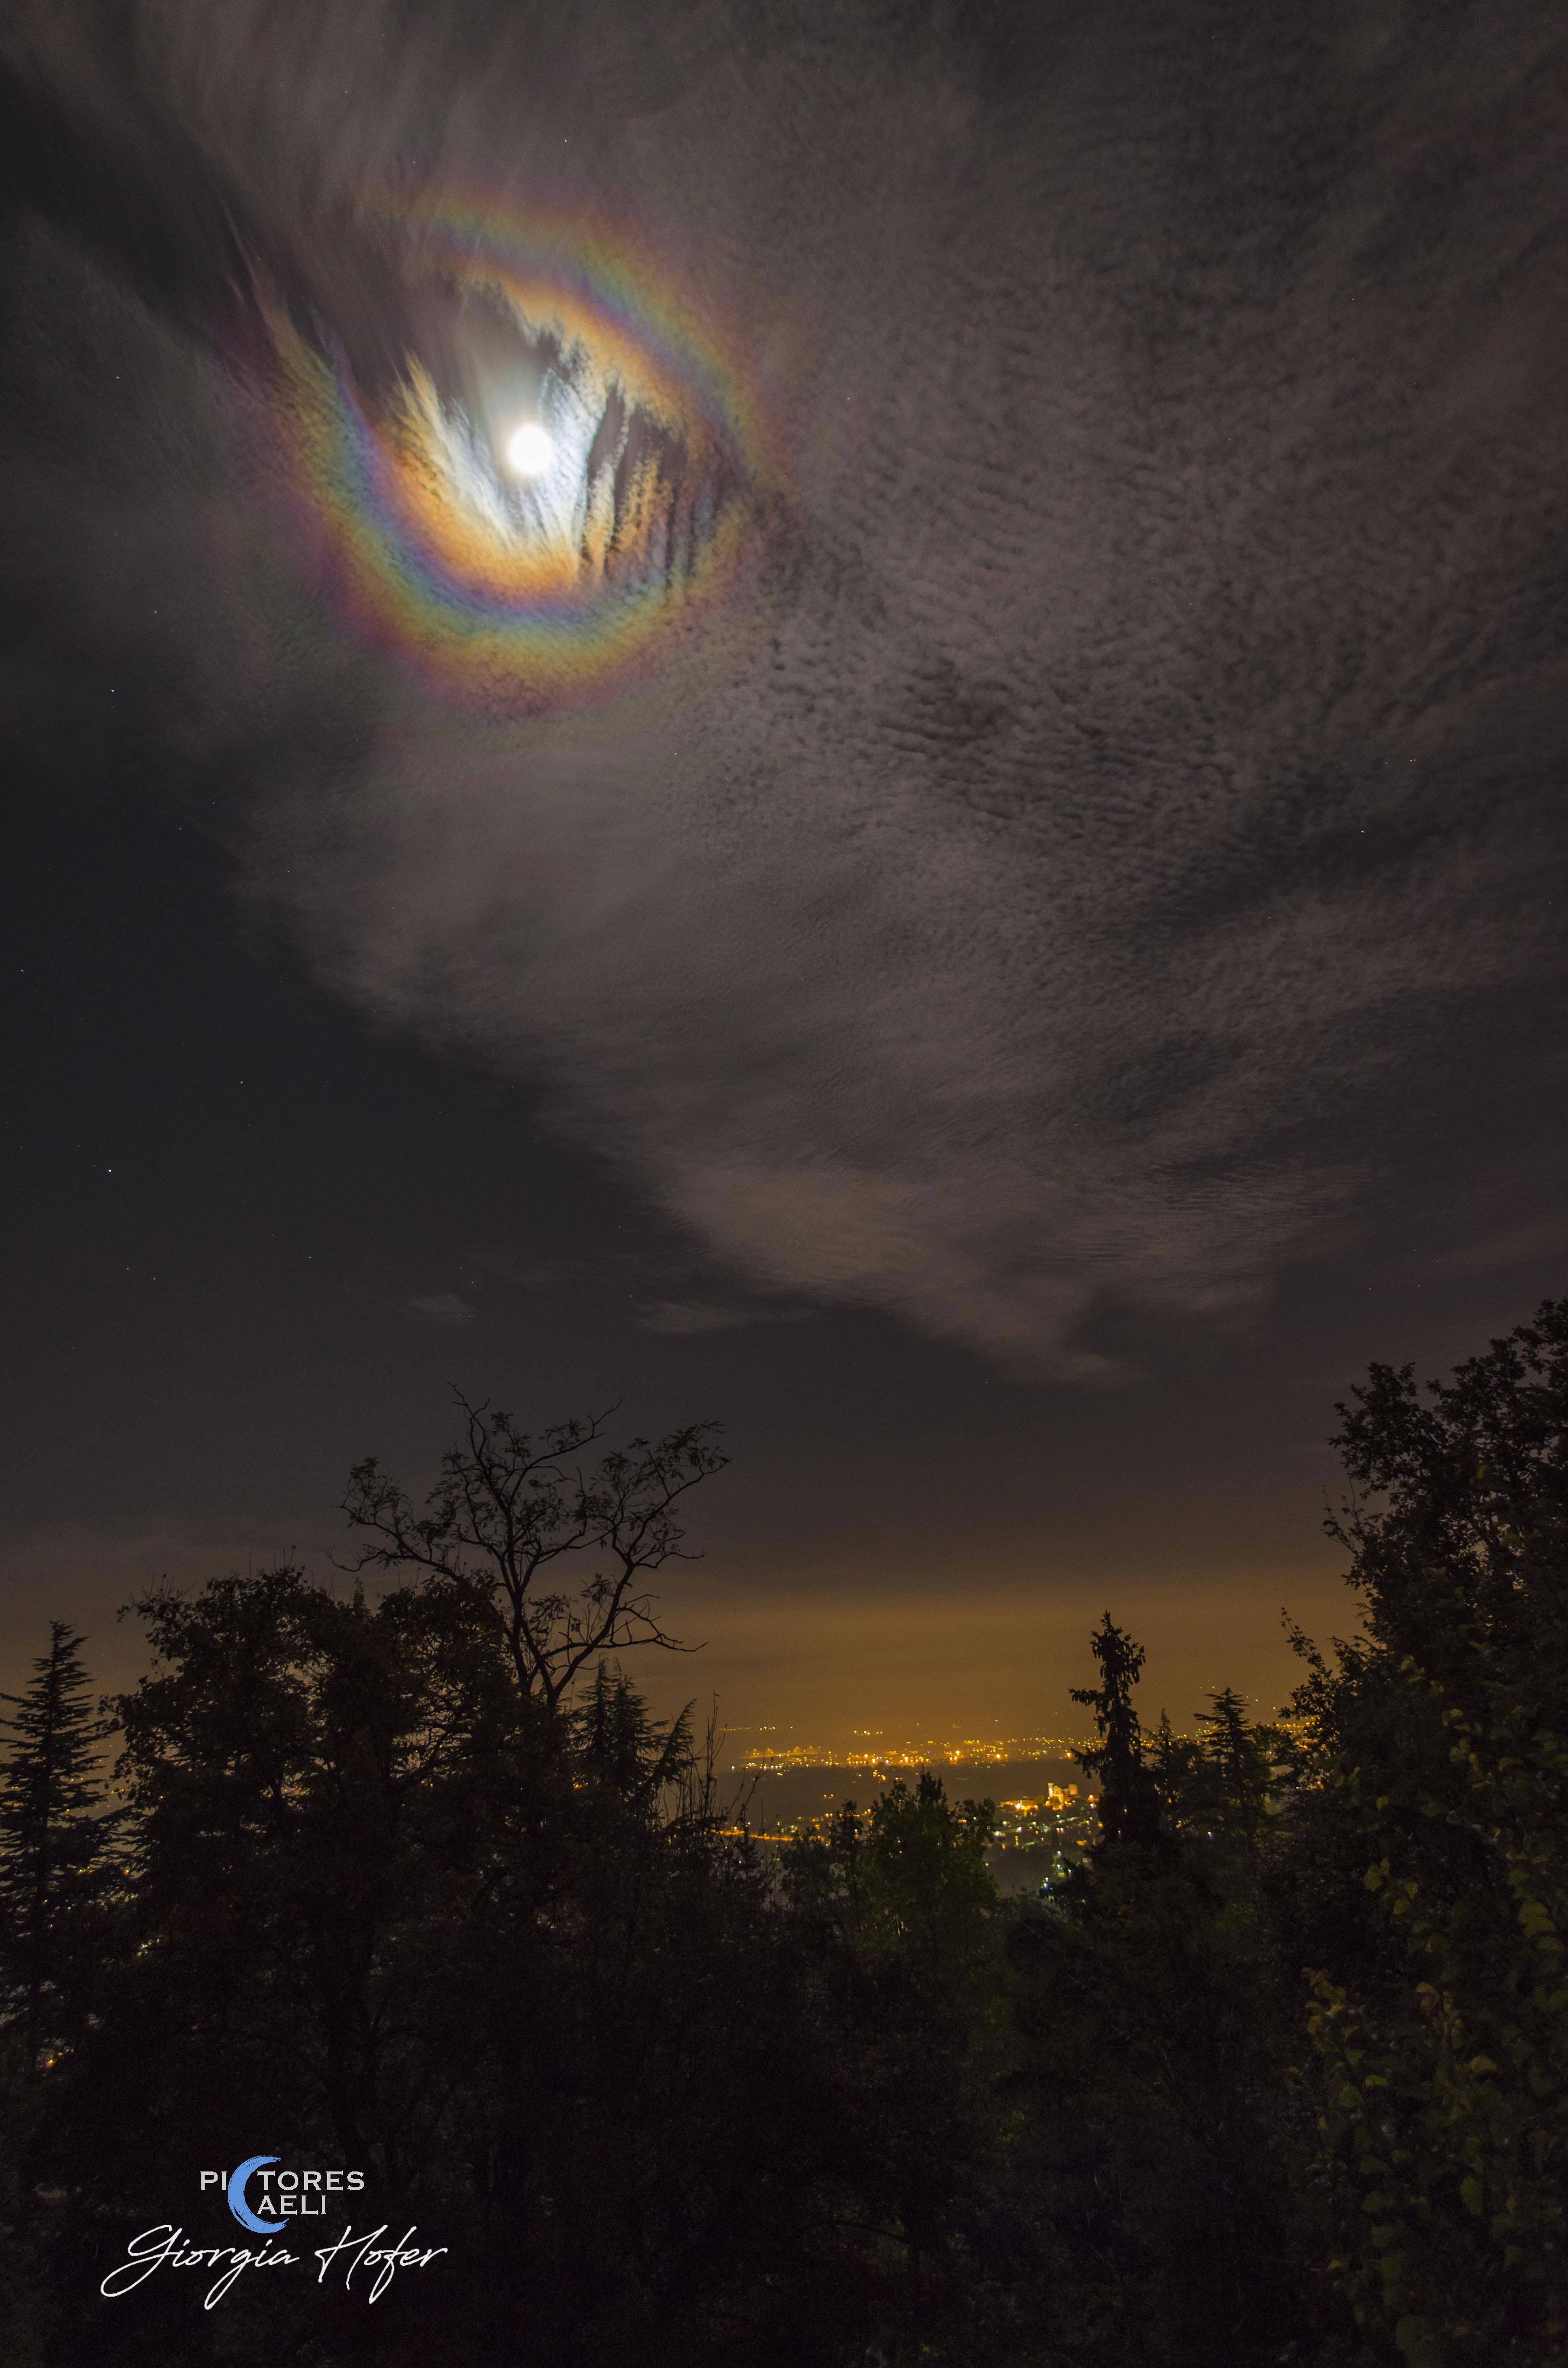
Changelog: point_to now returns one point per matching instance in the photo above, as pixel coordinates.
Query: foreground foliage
(1281, 2075)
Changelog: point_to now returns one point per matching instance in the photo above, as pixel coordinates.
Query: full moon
(529, 450)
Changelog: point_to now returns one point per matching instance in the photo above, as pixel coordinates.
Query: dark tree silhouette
(508, 1506)
(1425, 1874)
(54, 1832)
(1129, 1806)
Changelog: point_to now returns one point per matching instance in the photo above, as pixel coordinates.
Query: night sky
(971, 882)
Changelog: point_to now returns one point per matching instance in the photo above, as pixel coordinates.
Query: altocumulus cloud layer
(1131, 746)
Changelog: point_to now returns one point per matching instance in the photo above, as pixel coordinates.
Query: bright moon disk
(529, 450)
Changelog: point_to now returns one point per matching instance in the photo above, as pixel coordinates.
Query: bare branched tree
(509, 1505)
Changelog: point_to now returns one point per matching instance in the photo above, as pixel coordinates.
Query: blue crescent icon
(238, 2204)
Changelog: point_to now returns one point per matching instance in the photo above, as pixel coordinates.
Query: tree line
(410, 1880)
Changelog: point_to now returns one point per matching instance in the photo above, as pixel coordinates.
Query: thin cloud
(440, 1307)
(677, 1316)
(1514, 1246)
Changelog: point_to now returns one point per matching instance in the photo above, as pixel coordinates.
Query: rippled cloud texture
(1122, 747)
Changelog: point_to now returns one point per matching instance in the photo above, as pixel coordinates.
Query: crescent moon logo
(238, 2204)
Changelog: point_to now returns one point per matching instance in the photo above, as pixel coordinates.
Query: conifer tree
(1130, 1808)
(54, 1832)
(1238, 1755)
